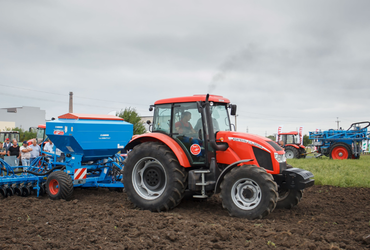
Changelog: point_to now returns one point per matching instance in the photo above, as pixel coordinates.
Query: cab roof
(89, 117)
(289, 133)
(194, 98)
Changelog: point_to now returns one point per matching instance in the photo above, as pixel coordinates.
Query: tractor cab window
(220, 118)
(40, 136)
(162, 118)
(290, 139)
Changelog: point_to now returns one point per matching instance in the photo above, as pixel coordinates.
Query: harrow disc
(3, 192)
(18, 191)
(10, 191)
(26, 191)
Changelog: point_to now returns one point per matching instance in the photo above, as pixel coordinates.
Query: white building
(22, 117)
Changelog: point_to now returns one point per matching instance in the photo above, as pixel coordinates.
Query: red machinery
(192, 149)
(293, 144)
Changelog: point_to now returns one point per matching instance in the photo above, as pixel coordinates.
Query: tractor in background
(341, 144)
(193, 150)
(293, 145)
(9, 134)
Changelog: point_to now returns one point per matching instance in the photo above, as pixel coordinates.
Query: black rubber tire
(289, 198)
(302, 153)
(339, 144)
(65, 186)
(291, 153)
(162, 174)
(256, 176)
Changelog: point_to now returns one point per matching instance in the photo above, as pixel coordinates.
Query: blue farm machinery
(341, 144)
(88, 147)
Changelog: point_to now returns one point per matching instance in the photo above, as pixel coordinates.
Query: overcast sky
(291, 63)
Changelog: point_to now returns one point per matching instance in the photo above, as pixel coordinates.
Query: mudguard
(225, 171)
(165, 139)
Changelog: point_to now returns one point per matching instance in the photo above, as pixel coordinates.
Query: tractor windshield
(220, 118)
(290, 139)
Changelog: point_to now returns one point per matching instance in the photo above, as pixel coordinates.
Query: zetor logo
(195, 149)
(58, 132)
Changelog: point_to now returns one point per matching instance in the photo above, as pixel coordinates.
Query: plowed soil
(326, 218)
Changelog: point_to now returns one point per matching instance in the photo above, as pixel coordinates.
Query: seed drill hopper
(86, 155)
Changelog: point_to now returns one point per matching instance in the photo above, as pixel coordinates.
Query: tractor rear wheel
(249, 192)
(289, 198)
(302, 153)
(59, 185)
(153, 177)
(291, 152)
(340, 151)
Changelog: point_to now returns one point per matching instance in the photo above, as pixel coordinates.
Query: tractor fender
(292, 145)
(165, 139)
(225, 171)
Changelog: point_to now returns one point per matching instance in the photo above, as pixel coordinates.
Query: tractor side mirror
(233, 109)
(150, 125)
(151, 107)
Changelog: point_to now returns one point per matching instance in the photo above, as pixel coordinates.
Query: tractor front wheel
(340, 151)
(59, 185)
(153, 177)
(291, 153)
(289, 198)
(249, 192)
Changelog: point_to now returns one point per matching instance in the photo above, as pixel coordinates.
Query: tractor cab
(40, 136)
(9, 134)
(290, 138)
(185, 121)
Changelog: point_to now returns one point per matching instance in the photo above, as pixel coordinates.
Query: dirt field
(326, 218)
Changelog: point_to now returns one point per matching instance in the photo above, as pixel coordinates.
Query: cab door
(188, 130)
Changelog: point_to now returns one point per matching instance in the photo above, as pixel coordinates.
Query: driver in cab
(183, 126)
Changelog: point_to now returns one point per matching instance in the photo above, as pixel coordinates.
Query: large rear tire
(153, 177)
(249, 192)
(340, 151)
(291, 153)
(59, 185)
(289, 198)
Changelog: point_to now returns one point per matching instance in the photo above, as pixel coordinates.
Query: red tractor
(292, 145)
(193, 150)
(40, 135)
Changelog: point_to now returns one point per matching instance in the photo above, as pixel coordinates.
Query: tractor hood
(249, 139)
(241, 146)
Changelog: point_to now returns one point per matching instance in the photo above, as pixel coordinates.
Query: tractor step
(203, 184)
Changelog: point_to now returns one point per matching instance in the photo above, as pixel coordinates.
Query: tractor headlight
(280, 157)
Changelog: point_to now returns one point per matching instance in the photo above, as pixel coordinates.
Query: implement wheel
(153, 177)
(59, 186)
(340, 151)
(291, 153)
(249, 192)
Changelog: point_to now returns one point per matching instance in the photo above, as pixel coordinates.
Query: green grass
(340, 173)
